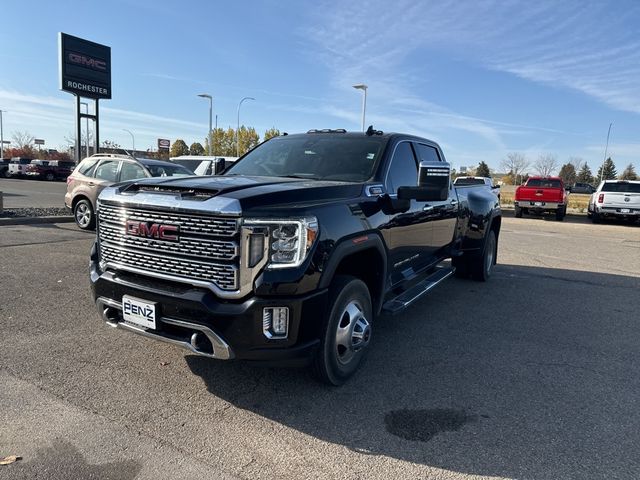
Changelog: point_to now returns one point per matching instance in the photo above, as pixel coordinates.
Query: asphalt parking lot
(22, 193)
(535, 374)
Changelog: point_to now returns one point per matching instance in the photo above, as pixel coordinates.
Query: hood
(218, 193)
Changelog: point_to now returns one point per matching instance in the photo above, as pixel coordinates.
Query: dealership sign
(163, 144)
(85, 67)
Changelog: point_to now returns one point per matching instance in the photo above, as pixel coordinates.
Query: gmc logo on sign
(93, 63)
(155, 231)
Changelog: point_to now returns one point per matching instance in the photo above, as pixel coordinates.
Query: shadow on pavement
(63, 461)
(531, 375)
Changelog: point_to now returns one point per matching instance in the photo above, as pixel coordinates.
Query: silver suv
(103, 169)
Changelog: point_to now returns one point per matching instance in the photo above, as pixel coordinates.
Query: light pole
(133, 140)
(86, 106)
(605, 152)
(238, 129)
(363, 87)
(209, 136)
(1, 138)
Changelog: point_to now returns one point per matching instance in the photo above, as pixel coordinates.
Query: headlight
(289, 239)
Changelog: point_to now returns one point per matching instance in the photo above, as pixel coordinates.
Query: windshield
(543, 183)
(621, 187)
(313, 156)
(168, 171)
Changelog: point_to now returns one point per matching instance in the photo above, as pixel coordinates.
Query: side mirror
(433, 183)
(219, 166)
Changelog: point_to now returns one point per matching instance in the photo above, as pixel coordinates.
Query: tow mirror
(219, 166)
(433, 183)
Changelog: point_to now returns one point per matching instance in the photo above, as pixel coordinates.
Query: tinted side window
(426, 153)
(404, 170)
(131, 171)
(107, 170)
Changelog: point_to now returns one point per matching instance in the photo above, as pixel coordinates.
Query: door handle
(427, 208)
(454, 203)
(91, 184)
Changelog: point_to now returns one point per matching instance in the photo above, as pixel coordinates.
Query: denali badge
(156, 231)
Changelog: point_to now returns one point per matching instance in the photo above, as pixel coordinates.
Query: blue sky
(482, 78)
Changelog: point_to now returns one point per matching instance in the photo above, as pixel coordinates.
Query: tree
(483, 170)
(22, 140)
(568, 173)
(179, 148)
(629, 173)
(111, 145)
(585, 175)
(546, 165)
(516, 164)
(609, 172)
(272, 132)
(196, 148)
(249, 138)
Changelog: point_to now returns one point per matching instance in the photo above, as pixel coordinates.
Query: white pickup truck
(615, 198)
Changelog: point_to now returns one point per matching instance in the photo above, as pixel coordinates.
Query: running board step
(402, 301)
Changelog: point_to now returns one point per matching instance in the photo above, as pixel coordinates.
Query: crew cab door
(408, 234)
(443, 215)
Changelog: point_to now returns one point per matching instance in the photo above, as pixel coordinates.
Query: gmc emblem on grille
(156, 231)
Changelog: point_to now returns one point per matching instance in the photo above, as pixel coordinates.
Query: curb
(36, 220)
(568, 214)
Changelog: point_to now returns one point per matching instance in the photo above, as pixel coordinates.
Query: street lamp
(86, 106)
(133, 140)
(238, 129)
(605, 152)
(363, 87)
(209, 136)
(1, 138)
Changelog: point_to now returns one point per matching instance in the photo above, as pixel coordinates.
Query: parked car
(615, 199)
(582, 188)
(541, 194)
(49, 170)
(486, 181)
(289, 256)
(204, 165)
(17, 167)
(103, 169)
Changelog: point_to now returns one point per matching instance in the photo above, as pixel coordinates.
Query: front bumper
(195, 319)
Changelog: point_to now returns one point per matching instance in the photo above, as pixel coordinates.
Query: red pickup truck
(541, 194)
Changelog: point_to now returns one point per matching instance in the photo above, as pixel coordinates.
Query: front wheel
(50, 177)
(346, 333)
(560, 213)
(84, 216)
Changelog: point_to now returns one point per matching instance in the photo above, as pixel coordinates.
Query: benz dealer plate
(625, 210)
(139, 312)
(538, 204)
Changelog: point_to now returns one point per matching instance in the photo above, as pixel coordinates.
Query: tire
(49, 177)
(560, 213)
(518, 212)
(482, 265)
(84, 215)
(595, 217)
(6, 174)
(346, 333)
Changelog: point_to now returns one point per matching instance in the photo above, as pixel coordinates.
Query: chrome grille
(207, 250)
(189, 223)
(224, 276)
(197, 247)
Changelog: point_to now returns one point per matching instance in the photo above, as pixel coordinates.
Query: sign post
(85, 71)
(163, 144)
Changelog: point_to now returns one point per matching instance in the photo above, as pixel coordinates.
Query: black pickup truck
(290, 255)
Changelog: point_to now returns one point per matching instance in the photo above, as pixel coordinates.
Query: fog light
(275, 322)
